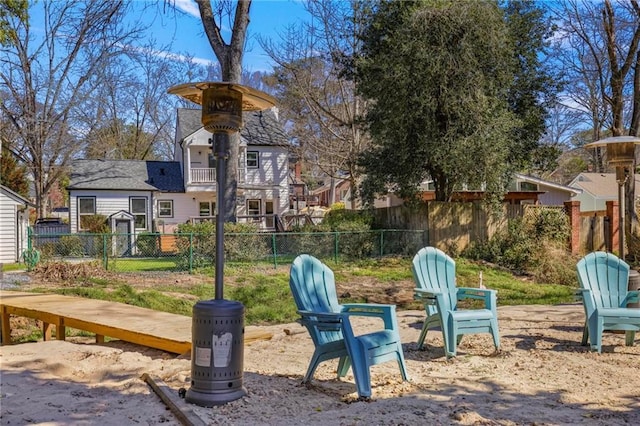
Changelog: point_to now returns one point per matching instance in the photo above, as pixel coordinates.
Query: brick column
(614, 224)
(573, 211)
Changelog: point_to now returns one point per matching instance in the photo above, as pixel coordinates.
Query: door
(123, 230)
(268, 210)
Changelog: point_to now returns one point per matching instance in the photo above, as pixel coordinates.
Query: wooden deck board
(155, 329)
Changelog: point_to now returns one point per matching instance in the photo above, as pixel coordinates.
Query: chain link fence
(190, 252)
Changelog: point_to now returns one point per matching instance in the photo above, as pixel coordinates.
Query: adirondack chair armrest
(378, 310)
(632, 297)
(425, 296)
(321, 317)
(489, 296)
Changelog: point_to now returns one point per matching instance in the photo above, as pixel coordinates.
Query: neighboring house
(146, 196)
(522, 190)
(597, 189)
(342, 193)
(14, 221)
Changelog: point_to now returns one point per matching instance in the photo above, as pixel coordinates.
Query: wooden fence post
(573, 211)
(614, 224)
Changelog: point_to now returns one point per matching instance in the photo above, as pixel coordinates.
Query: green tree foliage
(10, 8)
(535, 83)
(453, 84)
(13, 175)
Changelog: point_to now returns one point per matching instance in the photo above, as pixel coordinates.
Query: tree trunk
(230, 58)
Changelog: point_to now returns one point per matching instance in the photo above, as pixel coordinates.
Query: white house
(597, 189)
(523, 189)
(146, 196)
(14, 221)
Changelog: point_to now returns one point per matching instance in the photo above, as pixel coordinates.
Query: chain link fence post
(274, 250)
(191, 253)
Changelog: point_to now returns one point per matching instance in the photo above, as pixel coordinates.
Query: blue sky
(267, 19)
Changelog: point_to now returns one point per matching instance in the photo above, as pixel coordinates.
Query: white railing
(208, 175)
(201, 175)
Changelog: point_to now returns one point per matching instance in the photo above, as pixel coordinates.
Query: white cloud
(189, 7)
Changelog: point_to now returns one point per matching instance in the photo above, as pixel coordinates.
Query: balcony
(208, 175)
(202, 175)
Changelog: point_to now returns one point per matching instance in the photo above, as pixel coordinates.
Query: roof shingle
(136, 175)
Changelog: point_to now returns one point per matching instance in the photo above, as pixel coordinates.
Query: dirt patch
(542, 376)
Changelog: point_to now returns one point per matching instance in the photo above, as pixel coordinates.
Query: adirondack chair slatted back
(434, 270)
(434, 273)
(606, 276)
(313, 287)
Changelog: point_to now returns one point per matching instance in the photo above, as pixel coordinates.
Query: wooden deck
(155, 329)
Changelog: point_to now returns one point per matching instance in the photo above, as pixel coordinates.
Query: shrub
(70, 245)
(148, 245)
(535, 244)
(242, 242)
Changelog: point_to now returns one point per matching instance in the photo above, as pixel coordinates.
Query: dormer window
(252, 160)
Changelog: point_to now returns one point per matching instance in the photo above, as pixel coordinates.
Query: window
(252, 160)
(206, 208)
(165, 208)
(528, 186)
(86, 207)
(253, 207)
(139, 211)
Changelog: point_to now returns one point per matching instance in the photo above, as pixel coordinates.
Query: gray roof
(260, 127)
(134, 175)
(15, 196)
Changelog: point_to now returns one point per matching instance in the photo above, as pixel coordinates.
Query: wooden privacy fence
(594, 232)
(453, 226)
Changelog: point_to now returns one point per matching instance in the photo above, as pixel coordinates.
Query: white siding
(107, 203)
(184, 207)
(553, 197)
(12, 229)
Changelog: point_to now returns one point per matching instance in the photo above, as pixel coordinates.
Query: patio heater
(621, 155)
(217, 343)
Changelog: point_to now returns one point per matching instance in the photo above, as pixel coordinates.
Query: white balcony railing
(208, 175)
(203, 175)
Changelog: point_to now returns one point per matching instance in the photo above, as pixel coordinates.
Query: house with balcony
(157, 196)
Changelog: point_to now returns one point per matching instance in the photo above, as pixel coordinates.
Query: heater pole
(221, 152)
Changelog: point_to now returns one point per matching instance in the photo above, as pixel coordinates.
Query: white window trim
(160, 209)
(80, 214)
(257, 160)
(134, 214)
(259, 207)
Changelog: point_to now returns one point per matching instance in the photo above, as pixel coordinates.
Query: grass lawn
(264, 290)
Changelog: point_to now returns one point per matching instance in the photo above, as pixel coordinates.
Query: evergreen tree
(13, 175)
(453, 85)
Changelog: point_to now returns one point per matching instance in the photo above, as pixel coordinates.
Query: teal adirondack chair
(313, 287)
(604, 283)
(435, 275)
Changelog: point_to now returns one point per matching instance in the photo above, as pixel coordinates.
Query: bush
(148, 245)
(535, 244)
(242, 242)
(70, 245)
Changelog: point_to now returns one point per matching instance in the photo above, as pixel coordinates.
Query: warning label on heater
(203, 357)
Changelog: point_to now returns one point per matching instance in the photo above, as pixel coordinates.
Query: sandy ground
(541, 376)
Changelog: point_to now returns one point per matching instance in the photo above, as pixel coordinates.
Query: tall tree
(229, 55)
(45, 80)
(131, 115)
(12, 174)
(9, 8)
(441, 75)
(318, 99)
(535, 85)
(601, 47)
